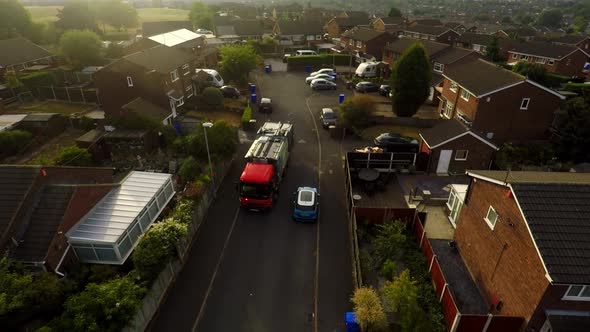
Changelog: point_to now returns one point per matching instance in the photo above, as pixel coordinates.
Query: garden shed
(109, 232)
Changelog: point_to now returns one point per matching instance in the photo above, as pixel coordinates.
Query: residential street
(250, 271)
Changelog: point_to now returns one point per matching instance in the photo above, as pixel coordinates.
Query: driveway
(261, 271)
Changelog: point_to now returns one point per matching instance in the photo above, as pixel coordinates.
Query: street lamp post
(205, 126)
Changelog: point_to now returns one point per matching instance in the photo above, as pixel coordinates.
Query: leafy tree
(157, 247)
(394, 12)
(368, 309)
(201, 16)
(355, 112)
(101, 307)
(42, 33)
(533, 71)
(183, 212)
(523, 18)
(410, 81)
(221, 138)
(117, 14)
(81, 48)
(189, 169)
(76, 15)
(493, 50)
(550, 18)
(573, 135)
(114, 51)
(580, 24)
(14, 141)
(388, 242)
(401, 296)
(14, 18)
(237, 61)
(388, 269)
(74, 156)
(506, 20)
(213, 96)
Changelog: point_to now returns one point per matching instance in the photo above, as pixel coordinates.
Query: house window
(464, 95)
(453, 87)
(461, 155)
(179, 102)
(514, 56)
(129, 81)
(541, 60)
(318, 37)
(189, 91)
(491, 217)
(174, 75)
(551, 62)
(524, 104)
(186, 69)
(359, 43)
(577, 293)
(463, 118)
(438, 67)
(448, 110)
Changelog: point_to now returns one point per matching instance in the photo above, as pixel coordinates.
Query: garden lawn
(374, 131)
(232, 118)
(50, 150)
(161, 14)
(51, 107)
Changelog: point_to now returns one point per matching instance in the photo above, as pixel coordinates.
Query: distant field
(47, 14)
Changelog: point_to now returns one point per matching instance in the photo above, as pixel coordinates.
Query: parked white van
(306, 52)
(214, 77)
(367, 69)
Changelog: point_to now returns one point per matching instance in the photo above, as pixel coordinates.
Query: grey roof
(569, 39)
(428, 21)
(402, 44)
(451, 54)
(534, 177)
(160, 58)
(545, 49)
(349, 22)
(15, 182)
(447, 130)
(520, 31)
(310, 27)
(428, 29)
(362, 34)
(20, 50)
(43, 224)
(248, 27)
(36, 117)
(155, 28)
(176, 37)
(392, 20)
(475, 38)
(225, 30)
(572, 322)
(453, 25)
(469, 76)
(143, 107)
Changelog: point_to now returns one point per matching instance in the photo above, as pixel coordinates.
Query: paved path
(261, 271)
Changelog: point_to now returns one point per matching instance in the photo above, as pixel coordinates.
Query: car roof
(306, 196)
(321, 80)
(265, 100)
(327, 110)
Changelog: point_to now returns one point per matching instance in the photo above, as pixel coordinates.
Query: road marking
(317, 256)
(202, 310)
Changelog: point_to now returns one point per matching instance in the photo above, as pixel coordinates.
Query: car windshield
(329, 115)
(217, 77)
(256, 191)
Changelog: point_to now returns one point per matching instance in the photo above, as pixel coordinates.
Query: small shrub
(355, 112)
(14, 142)
(189, 169)
(246, 116)
(388, 243)
(388, 269)
(183, 212)
(73, 156)
(86, 123)
(212, 96)
(369, 310)
(195, 190)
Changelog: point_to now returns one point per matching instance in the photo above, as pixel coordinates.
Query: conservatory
(455, 202)
(109, 232)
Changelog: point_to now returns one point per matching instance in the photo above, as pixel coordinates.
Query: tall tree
(394, 12)
(201, 16)
(493, 49)
(551, 18)
(237, 61)
(410, 81)
(533, 71)
(14, 18)
(368, 309)
(81, 47)
(76, 15)
(116, 13)
(580, 24)
(401, 296)
(573, 135)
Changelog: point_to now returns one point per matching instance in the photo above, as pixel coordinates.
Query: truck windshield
(256, 191)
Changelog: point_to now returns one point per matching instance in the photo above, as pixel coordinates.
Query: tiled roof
(453, 25)
(155, 28)
(451, 54)
(469, 76)
(310, 27)
(392, 20)
(446, 131)
(544, 49)
(15, 182)
(37, 117)
(428, 21)
(475, 38)
(362, 34)
(569, 321)
(402, 44)
(143, 107)
(520, 31)
(226, 30)
(569, 39)
(248, 27)
(20, 50)
(160, 58)
(428, 29)
(348, 22)
(43, 224)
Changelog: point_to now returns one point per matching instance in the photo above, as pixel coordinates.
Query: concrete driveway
(261, 271)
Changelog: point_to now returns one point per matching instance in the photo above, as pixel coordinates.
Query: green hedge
(554, 80)
(580, 88)
(41, 78)
(317, 61)
(246, 116)
(14, 141)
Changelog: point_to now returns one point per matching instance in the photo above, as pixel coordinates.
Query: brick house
(579, 41)
(389, 24)
(475, 41)
(299, 32)
(336, 26)
(560, 59)
(523, 237)
(160, 75)
(440, 34)
(502, 107)
(452, 148)
(366, 41)
(522, 33)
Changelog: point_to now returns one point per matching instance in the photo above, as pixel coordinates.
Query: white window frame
(541, 60)
(461, 159)
(189, 90)
(551, 62)
(524, 104)
(465, 92)
(174, 75)
(491, 223)
(578, 297)
(514, 56)
(438, 67)
(186, 69)
(179, 101)
(454, 87)
(448, 111)
(129, 81)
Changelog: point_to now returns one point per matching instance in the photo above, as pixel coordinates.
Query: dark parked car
(364, 87)
(229, 91)
(265, 105)
(328, 117)
(384, 90)
(392, 142)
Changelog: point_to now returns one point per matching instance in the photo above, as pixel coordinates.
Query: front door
(443, 161)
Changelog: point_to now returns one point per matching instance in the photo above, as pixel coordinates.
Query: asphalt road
(251, 271)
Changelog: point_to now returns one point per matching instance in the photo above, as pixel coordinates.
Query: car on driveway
(265, 105)
(306, 204)
(384, 90)
(328, 71)
(323, 76)
(393, 142)
(229, 91)
(204, 32)
(328, 117)
(322, 84)
(365, 87)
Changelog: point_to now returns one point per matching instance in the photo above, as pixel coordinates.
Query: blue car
(306, 203)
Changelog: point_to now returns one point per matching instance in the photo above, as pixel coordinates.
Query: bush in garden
(369, 310)
(388, 244)
(14, 142)
(189, 169)
(246, 116)
(74, 156)
(401, 296)
(221, 137)
(157, 247)
(183, 212)
(388, 269)
(355, 112)
(213, 96)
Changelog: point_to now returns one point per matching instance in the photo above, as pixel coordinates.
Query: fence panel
(427, 250)
(418, 230)
(449, 308)
(437, 278)
(472, 323)
(505, 324)
(69, 94)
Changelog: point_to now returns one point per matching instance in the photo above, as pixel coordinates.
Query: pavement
(250, 271)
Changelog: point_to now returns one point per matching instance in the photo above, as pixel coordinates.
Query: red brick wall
(552, 301)
(478, 157)
(333, 29)
(571, 65)
(376, 46)
(503, 262)
(468, 107)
